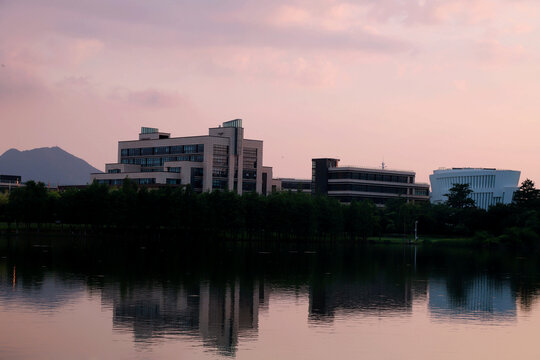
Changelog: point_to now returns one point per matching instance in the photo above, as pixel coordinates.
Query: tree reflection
(216, 294)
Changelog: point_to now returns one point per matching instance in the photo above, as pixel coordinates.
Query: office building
(221, 160)
(350, 183)
(489, 186)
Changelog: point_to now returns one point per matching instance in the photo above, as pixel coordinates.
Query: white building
(489, 186)
(223, 159)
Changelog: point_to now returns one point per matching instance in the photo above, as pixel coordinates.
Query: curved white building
(489, 186)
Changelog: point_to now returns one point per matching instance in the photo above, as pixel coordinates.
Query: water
(109, 299)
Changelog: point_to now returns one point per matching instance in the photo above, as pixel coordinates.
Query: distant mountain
(52, 166)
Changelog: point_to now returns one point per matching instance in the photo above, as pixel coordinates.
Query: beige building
(221, 160)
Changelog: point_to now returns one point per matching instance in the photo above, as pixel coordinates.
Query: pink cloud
(494, 52)
(398, 73)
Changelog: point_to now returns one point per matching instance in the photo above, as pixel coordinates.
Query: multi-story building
(8, 182)
(223, 160)
(353, 183)
(489, 186)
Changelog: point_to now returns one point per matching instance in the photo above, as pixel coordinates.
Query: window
(196, 171)
(161, 150)
(174, 169)
(146, 181)
(250, 158)
(219, 184)
(147, 151)
(368, 188)
(196, 178)
(124, 152)
(190, 149)
(153, 162)
(220, 155)
(220, 172)
(295, 185)
(248, 186)
(173, 181)
(113, 171)
(250, 174)
(134, 152)
(177, 149)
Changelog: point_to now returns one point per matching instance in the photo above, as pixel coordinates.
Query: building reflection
(218, 313)
(478, 298)
(221, 308)
(374, 295)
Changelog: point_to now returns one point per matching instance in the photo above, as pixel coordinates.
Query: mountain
(50, 165)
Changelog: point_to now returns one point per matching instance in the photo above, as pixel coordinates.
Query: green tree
(360, 219)
(459, 197)
(30, 203)
(3, 206)
(527, 194)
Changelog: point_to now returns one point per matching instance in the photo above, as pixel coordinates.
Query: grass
(423, 240)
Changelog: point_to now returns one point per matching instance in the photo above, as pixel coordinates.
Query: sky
(418, 84)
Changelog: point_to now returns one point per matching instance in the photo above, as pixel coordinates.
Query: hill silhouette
(51, 165)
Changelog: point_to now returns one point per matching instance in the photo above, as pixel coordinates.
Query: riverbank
(424, 240)
(59, 230)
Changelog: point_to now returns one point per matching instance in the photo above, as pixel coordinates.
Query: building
(489, 186)
(353, 183)
(222, 160)
(8, 182)
(288, 184)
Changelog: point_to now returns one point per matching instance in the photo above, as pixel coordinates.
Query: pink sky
(421, 84)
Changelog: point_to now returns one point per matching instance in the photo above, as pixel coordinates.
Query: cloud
(19, 83)
(494, 52)
(193, 24)
(149, 98)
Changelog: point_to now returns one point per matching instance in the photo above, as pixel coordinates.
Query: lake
(158, 299)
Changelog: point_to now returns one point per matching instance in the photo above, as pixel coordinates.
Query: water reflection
(218, 313)
(216, 297)
(480, 298)
(45, 291)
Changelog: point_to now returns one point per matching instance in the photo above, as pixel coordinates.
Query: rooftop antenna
(383, 164)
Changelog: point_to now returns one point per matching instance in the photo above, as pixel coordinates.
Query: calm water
(65, 299)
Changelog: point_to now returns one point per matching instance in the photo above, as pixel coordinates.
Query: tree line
(283, 215)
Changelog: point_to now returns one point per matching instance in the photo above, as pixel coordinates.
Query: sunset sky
(421, 84)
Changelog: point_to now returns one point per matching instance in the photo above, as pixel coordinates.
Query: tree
(459, 197)
(360, 219)
(527, 194)
(29, 203)
(3, 206)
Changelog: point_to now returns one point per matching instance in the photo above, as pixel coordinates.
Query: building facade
(354, 183)
(489, 186)
(221, 160)
(294, 185)
(8, 182)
